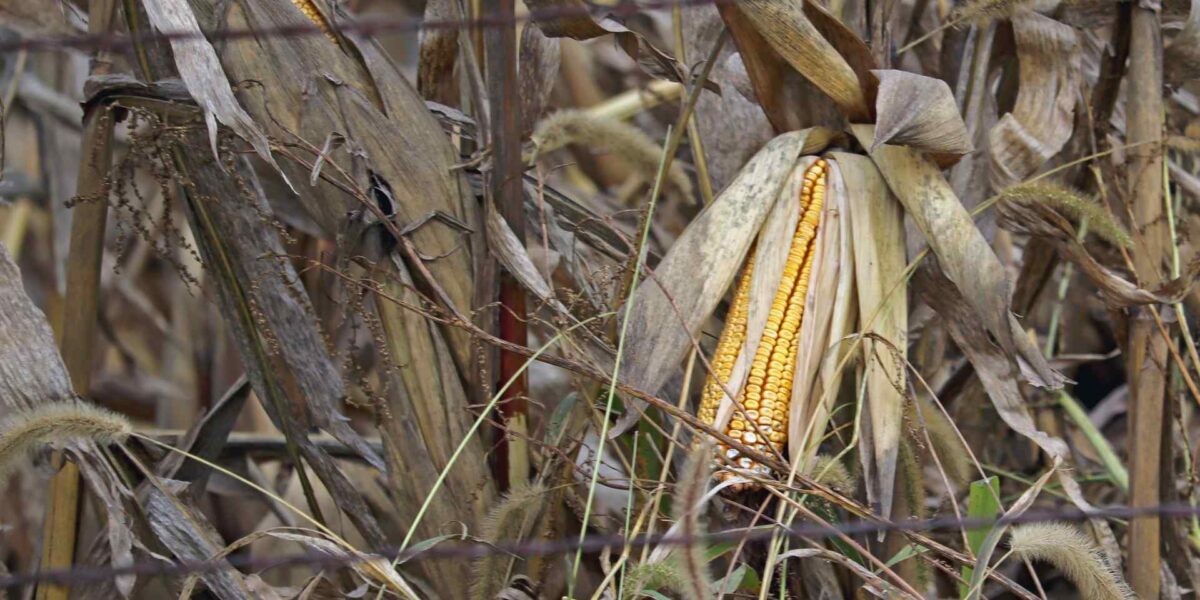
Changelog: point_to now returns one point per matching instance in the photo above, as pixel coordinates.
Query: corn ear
(761, 419)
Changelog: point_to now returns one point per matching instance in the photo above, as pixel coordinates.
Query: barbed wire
(113, 41)
(466, 548)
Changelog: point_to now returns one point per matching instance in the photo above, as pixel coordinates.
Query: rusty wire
(467, 548)
(113, 41)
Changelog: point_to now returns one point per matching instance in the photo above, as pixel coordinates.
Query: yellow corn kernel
(768, 390)
(310, 10)
(727, 347)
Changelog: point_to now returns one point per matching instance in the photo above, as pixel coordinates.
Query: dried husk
(829, 315)
(877, 233)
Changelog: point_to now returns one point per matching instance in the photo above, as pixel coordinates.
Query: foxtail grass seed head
(507, 522)
(56, 423)
(831, 472)
(767, 393)
(1072, 552)
(1072, 204)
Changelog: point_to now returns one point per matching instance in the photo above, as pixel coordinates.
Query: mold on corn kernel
(761, 420)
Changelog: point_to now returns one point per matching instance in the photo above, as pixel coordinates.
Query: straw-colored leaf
(877, 234)
(671, 306)
(438, 54)
(1044, 115)
(919, 112)
(982, 12)
(32, 373)
(793, 36)
(824, 302)
(538, 72)
(963, 254)
(39, 17)
(832, 316)
(872, 583)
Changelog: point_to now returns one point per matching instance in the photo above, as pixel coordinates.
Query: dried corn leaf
(995, 367)
(920, 112)
(272, 314)
(1181, 57)
(319, 544)
(963, 255)
(182, 528)
(308, 89)
(877, 231)
(32, 373)
(872, 583)
(732, 125)
(537, 72)
(670, 306)
(776, 86)
(201, 72)
(1044, 115)
(571, 18)
(39, 17)
(848, 44)
(426, 418)
(516, 260)
(438, 53)
(1044, 222)
(790, 33)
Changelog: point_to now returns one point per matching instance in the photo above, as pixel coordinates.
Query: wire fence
(466, 548)
(113, 41)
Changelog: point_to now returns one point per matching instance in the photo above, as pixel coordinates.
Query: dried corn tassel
(310, 10)
(767, 393)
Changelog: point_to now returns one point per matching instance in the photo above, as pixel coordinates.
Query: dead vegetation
(610, 300)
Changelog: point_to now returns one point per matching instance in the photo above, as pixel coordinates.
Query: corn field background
(599, 299)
